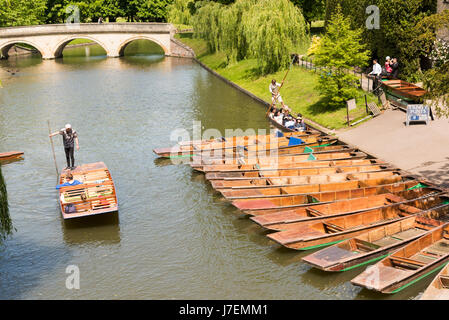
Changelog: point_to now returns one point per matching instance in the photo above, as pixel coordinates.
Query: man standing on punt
(69, 137)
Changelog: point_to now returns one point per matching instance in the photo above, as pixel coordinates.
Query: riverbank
(299, 90)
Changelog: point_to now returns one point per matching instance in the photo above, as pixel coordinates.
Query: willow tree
(340, 49)
(234, 42)
(206, 24)
(274, 29)
(179, 12)
(5, 220)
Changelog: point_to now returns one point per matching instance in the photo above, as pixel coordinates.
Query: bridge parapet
(50, 40)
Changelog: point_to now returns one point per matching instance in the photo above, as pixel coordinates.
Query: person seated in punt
(69, 181)
(272, 112)
(299, 125)
(278, 117)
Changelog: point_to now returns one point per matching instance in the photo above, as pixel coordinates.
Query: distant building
(443, 5)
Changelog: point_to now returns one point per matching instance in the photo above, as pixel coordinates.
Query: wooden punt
(285, 199)
(403, 89)
(316, 234)
(96, 195)
(300, 172)
(372, 187)
(376, 244)
(261, 183)
(274, 161)
(325, 192)
(284, 128)
(439, 288)
(12, 155)
(316, 147)
(234, 143)
(263, 151)
(240, 139)
(409, 264)
(286, 220)
(257, 169)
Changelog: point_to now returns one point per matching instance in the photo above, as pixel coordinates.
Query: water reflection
(101, 229)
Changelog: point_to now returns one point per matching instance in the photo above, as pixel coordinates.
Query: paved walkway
(418, 148)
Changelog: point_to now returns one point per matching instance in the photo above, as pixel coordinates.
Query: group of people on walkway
(283, 115)
(390, 70)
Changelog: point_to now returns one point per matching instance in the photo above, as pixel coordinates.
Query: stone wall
(443, 5)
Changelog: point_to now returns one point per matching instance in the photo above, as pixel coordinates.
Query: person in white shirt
(274, 90)
(279, 117)
(377, 71)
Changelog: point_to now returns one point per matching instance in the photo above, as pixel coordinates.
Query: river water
(173, 238)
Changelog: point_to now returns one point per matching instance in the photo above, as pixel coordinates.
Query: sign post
(350, 105)
(417, 112)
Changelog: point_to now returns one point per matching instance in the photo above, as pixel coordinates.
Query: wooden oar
(53, 150)
(282, 83)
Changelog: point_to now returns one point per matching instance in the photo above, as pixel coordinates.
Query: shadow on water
(104, 229)
(24, 264)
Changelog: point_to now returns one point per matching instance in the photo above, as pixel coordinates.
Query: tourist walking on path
(274, 90)
(69, 137)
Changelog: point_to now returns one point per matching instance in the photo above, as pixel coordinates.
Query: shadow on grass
(322, 106)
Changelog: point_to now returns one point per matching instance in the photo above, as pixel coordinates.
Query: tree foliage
(340, 49)
(6, 227)
(21, 12)
(266, 30)
(181, 11)
(397, 21)
(27, 12)
(436, 80)
(312, 10)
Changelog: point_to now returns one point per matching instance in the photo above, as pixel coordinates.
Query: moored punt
(251, 163)
(286, 220)
(286, 201)
(261, 183)
(12, 155)
(376, 244)
(315, 147)
(409, 264)
(240, 139)
(237, 143)
(328, 191)
(263, 151)
(403, 89)
(257, 169)
(315, 234)
(96, 195)
(439, 288)
(302, 172)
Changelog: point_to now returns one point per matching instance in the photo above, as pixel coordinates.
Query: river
(174, 237)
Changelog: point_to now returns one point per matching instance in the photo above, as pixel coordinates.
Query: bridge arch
(57, 51)
(122, 46)
(4, 49)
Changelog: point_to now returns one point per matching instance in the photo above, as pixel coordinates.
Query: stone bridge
(50, 40)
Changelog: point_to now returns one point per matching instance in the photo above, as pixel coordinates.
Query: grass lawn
(79, 41)
(299, 91)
